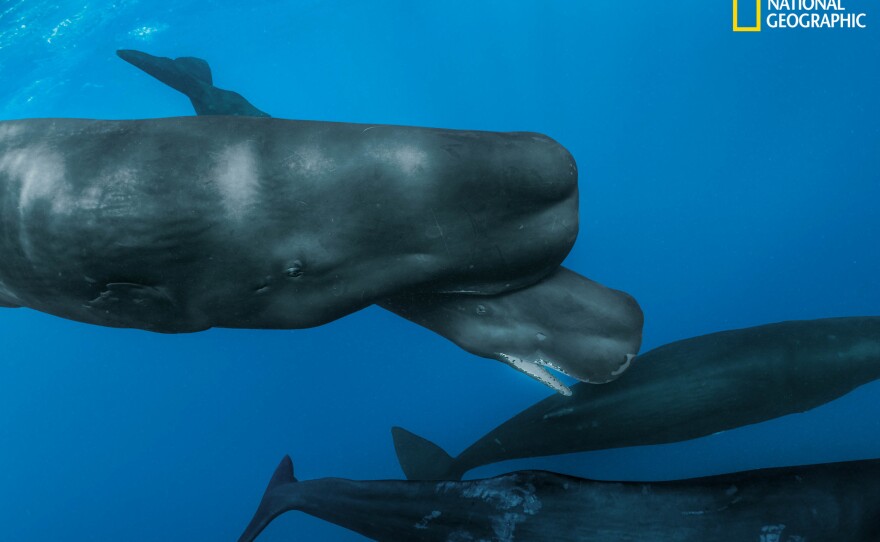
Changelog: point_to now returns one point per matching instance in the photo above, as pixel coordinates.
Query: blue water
(727, 180)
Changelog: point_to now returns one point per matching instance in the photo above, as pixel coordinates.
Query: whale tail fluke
(276, 500)
(421, 459)
(192, 77)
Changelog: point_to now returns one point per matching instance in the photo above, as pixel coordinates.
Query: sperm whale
(680, 391)
(241, 220)
(820, 503)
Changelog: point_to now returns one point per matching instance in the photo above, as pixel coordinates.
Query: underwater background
(727, 180)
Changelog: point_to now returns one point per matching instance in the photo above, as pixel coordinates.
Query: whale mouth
(536, 369)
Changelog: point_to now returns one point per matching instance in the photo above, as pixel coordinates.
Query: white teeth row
(535, 371)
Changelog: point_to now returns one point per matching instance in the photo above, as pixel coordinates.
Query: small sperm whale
(680, 391)
(235, 219)
(821, 503)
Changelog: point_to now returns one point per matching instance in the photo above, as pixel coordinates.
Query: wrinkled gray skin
(178, 225)
(684, 390)
(182, 224)
(822, 503)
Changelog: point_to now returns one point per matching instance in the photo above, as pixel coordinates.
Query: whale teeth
(535, 371)
(550, 363)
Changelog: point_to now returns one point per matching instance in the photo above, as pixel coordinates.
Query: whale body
(236, 219)
(182, 224)
(684, 390)
(834, 502)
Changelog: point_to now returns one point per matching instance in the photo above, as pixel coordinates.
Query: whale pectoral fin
(152, 307)
(565, 322)
(192, 77)
(130, 293)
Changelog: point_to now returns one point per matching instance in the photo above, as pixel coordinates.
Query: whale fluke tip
(192, 77)
(283, 473)
(272, 505)
(421, 459)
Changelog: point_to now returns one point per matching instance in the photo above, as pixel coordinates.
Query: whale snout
(549, 171)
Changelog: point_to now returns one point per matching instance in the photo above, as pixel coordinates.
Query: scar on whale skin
(802, 503)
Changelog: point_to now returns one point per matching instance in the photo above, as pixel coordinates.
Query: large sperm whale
(182, 224)
(837, 502)
(684, 390)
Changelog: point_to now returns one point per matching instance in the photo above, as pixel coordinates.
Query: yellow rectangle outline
(737, 27)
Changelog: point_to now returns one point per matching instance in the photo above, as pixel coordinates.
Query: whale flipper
(192, 77)
(421, 459)
(275, 501)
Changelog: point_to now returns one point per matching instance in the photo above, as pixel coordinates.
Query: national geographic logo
(788, 14)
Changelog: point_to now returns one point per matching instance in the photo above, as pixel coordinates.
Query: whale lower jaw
(536, 369)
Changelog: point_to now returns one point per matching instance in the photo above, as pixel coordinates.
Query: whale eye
(481, 309)
(295, 270)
